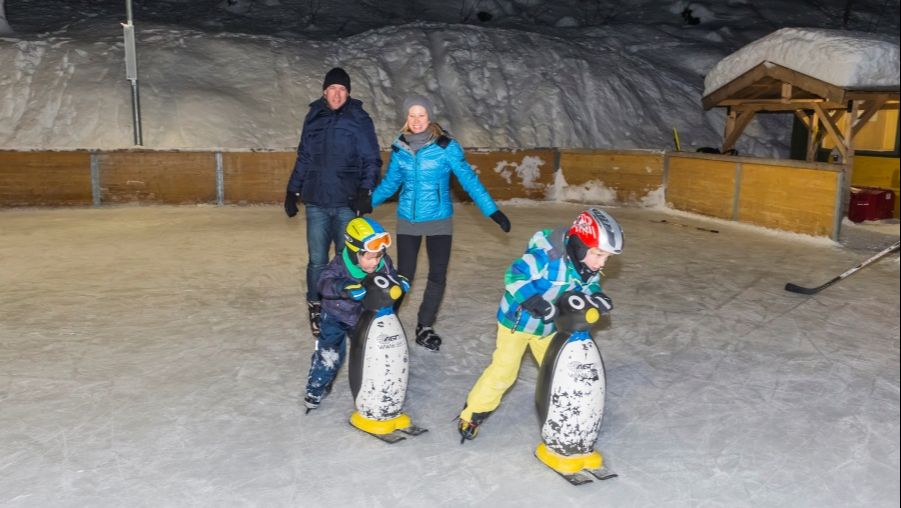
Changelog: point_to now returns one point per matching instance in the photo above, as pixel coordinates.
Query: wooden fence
(783, 194)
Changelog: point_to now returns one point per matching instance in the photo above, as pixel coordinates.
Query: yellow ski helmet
(365, 234)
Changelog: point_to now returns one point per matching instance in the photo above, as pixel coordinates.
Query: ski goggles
(377, 241)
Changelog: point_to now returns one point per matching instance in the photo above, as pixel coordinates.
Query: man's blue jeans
(324, 227)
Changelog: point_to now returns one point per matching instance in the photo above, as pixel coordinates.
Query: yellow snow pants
(500, 374)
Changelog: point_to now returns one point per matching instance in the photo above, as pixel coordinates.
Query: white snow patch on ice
(655, 199)
(528, 171)
(818, 240)
(588, 192)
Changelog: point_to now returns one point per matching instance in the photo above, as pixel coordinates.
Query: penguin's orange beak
(395, 292)
(592, 316)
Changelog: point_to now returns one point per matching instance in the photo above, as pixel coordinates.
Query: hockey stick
(794, 288)
(664, 221)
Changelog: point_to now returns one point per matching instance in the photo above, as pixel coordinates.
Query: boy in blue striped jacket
(555, 261)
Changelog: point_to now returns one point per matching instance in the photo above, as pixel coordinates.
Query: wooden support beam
(832, 129)
(813, 140)
(869, 109)
(786, 92)
(736, 127)
(801, 115)
(779, 105)
(849, 133)
(848, 161)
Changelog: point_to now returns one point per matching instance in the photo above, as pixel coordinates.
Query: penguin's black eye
(576, 302)
(381, 281)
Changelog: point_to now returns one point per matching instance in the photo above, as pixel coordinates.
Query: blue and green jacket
(544, 269)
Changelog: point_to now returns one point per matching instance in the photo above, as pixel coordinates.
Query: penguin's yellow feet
(390, 431)
(399, 422)
(568, 463)
(570, 467)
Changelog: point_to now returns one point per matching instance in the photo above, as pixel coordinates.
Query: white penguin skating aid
(570, 394)
(379, 364)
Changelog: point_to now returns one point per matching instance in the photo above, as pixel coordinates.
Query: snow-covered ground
(155, 356)
(240, 73)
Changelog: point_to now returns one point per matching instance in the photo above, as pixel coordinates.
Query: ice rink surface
(156, 356)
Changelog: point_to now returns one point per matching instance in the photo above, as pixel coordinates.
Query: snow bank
(490, 87)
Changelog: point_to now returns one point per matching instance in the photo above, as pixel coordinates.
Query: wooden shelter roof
(772, 87)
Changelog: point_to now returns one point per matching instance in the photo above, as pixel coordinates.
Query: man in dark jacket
(337, 166)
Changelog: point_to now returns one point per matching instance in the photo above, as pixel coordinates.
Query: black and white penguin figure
(570, 391)
(379, 363)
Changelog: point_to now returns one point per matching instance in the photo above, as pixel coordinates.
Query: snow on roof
(842, 58)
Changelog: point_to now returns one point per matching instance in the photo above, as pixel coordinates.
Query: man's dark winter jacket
(338, 154)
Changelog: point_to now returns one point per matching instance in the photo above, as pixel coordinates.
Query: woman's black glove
(362, 202)
(501, 220)
(540, 308)
(291, 199)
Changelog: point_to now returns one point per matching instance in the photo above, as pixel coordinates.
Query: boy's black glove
(501, 220)
(540, 308)
(362, 202)
(604, 303)
(291, 199)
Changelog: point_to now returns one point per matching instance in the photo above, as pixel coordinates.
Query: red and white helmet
(597, 229)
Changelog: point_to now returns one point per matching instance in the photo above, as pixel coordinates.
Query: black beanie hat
(336, 76)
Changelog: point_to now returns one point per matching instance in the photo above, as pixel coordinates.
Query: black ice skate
(470, 429)
(311, 401)
(427, 338)
(315, 309)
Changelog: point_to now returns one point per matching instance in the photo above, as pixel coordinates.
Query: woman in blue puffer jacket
(422, 161)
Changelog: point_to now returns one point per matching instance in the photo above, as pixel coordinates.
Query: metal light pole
(131, 73)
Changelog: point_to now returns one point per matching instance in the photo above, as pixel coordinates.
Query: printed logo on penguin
(390, 342)
(583, 372)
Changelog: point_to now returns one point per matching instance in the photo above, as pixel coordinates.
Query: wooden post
(813, 138)
(848, 160)
(786, 92)
(730, 122)
(735, 125)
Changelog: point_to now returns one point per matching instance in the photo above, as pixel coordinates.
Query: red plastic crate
(871, 203)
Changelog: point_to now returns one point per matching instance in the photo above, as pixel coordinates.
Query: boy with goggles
(366, 245)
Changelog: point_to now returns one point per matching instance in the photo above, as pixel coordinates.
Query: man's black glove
(540, 308)
(362, 202)
(501, 220)
(603, 302)
(291, 199)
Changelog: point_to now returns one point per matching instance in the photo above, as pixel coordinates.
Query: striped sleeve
(527, 276)
(592, 287)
